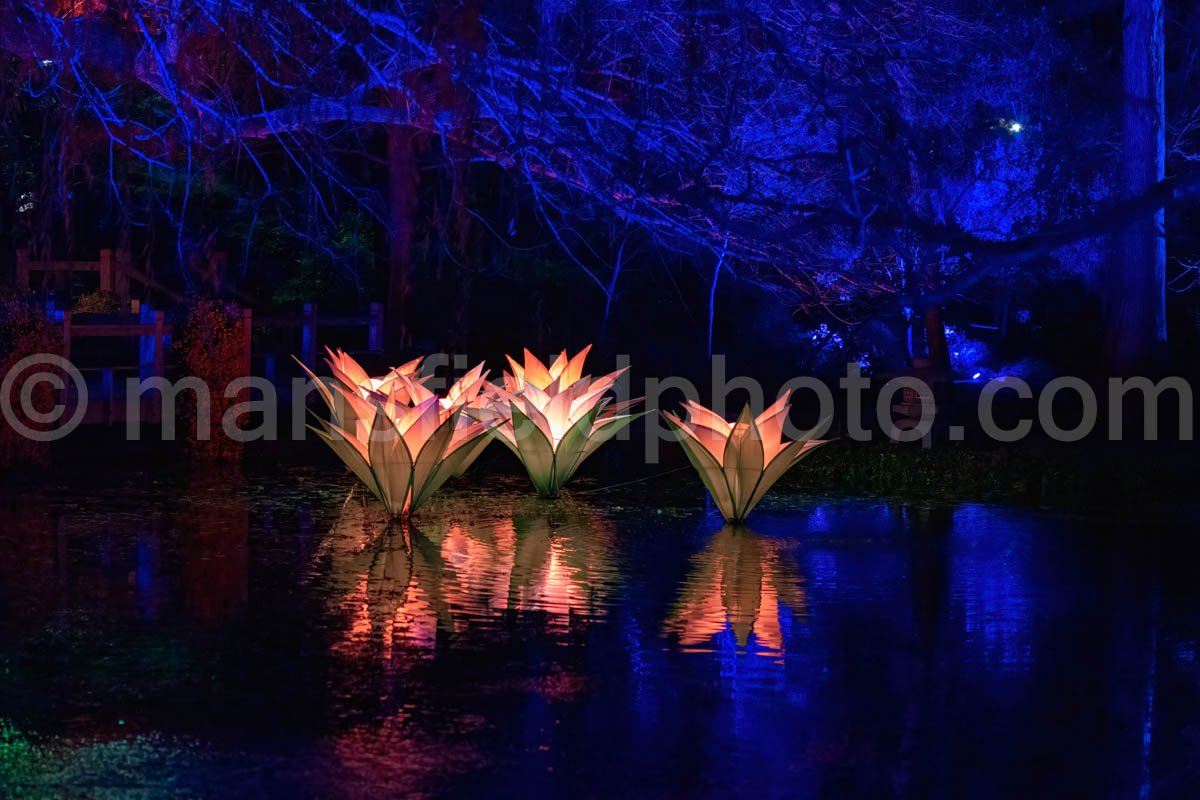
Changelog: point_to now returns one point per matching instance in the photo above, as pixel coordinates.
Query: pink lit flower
(555, 417)
(740, 461)
(402, 440)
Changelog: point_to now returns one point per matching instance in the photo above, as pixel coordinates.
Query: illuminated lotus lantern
(465, 394)
(400, 438)
(346, 371)
(740, 461)
(553, 417)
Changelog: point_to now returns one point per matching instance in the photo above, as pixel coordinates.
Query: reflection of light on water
(564, 568)
(738, 594)
(823, 569)
(552, 590)
(818, 521)
(989, 584)
(360, 625)
(407, 586)
(480, 569)
(146, 574)
(416, 619)
(996, 615)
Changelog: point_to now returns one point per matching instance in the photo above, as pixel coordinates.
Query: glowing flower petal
(554, 417)
(738, 463)
(401, 439)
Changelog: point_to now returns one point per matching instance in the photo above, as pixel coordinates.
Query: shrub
(967, 356)
(99, 302)
(24, 330)
(210, 348)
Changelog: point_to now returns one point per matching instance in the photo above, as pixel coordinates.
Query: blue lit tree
(856, 159)
(1136, 284)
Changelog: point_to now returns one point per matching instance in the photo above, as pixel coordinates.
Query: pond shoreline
(1106, 477)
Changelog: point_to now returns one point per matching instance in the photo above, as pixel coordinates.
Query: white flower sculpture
(740, 461)
(400, 438)
(553, 417)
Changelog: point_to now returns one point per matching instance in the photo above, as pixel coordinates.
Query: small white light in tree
(1014, 127)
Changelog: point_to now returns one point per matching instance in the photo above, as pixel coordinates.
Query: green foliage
(321, 273)
(1035, 472)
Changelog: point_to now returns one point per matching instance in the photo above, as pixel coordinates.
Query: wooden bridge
(116, 271)
(138, 339)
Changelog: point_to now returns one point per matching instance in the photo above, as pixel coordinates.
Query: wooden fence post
(159, 343)
(309, 336)
(106, 270)
(121, 264)
(247, 332)
(375, 328)
(66, 335)
(23, 271)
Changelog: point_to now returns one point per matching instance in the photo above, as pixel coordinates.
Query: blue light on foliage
(967, 355)
(824, 337)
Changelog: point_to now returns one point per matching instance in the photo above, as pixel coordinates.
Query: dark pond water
(254, 633)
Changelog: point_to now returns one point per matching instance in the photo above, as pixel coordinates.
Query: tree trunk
(1136, 285)
(926, 201)
(464, 238)
(935, 336)
(402, 205)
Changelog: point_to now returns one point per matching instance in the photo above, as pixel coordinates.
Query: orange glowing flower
(739, 462)
(347, 371)
(402, 440)
(555, 417)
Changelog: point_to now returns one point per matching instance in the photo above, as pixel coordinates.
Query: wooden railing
(309, 321)
(116, 274)
(153, 334)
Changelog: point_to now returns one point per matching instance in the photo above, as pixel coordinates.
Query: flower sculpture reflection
(553, 417)
(402, 440)
(741, 583)
(739, 462)
(558, 567)
(406, 585)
